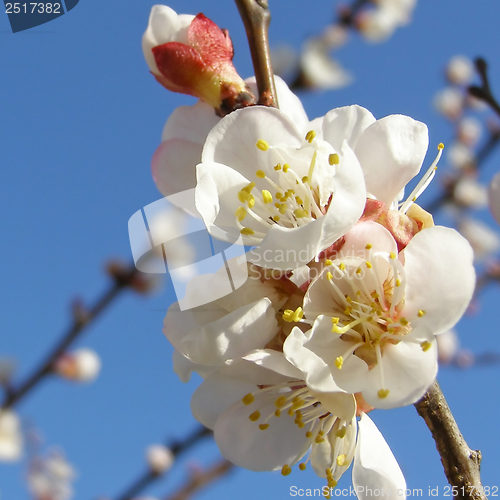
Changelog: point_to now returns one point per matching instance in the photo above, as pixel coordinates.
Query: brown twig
(80, 323)
(460, 463)
(201, 479)
(149, 476)
(256, 18)
(483, 92)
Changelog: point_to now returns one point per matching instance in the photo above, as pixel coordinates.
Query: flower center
(314, 415)
(287, 193)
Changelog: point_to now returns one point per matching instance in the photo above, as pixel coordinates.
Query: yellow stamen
(263, 427)
(329, 275)
(341, 432)
(392, 255)
(285, 470)
(425, 346)
(248, 399)
(421, 313)
(254, 416)
(328, 262)
(440, 146)
(240, 213)
(277, 167)
(267, 196)
(383, 393)
(368, 246)
(262, 145)
(310, 136)
(286, 167)
(246, 231)
(333, 159)
(302, 466)
(299, 213)
(339, 362)
(341, 460)
(261, 174)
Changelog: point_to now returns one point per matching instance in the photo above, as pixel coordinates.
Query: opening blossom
(265, 417)
(11, 442)
(192, 55)
(377, 313)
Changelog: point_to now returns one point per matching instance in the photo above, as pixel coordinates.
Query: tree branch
(199, 480)
(256, 18)
(461, 464)
(176, 447)
(125, 278)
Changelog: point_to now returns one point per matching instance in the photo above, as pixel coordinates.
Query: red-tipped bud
(192, 55)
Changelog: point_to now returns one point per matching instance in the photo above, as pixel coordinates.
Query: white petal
(289, 103)
(345, 124)
(306, 354)
(391, 152)
(494, 197)
(407, 370)
(242, 442)
(375, 467)
(210, 340)
(440, 278)
(174, 165)
(192, 123)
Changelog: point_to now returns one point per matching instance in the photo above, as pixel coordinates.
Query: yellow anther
(286, 167)
(328, 262)
(305, 179)
(403, 321)
(300, 213)
(298, 314)
(341, 266)
(251, 201)
(341, 460)
(280, 401)
(248, 399)
(421, 313)
(240, 213)
(277, 413)
(249, 187)
(440, 146)
(309, 434)
(277, 167)
(275, 218)
(333, 159)
(279, 196)
(368, 246)
(425, 346)
(285, 470)
(302, 466)
(288, 315)
(341, 432)
(261, 174)
(263, 427)
(246, 231)
(392, 255)
(383, 393)
(339, 362)
(368, 264)
(254, 416)
(310, 136)
(335, 320)
(398, 282)
(348, 299)
(283, 209)
(267, 197)
(319, 439)
(262, 145)
(329, 276)
(299, 200)
(348, 311)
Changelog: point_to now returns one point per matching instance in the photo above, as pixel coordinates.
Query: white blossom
(11, 441)
(459, 70)
(159, 458)
(376, 313)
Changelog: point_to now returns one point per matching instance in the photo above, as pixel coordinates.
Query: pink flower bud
(192, 55)
(159, 458)
(82, 365)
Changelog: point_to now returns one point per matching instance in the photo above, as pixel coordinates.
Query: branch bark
(461, 464)
(256, 18)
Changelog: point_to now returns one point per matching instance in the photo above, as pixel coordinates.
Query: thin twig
(79, 324)
(256, 18)
(484, 91)
(201, 479)
(460, 463)
(177, 447)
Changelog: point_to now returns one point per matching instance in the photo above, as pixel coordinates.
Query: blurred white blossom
(159, 458)
(450, 102)
(11, 441)
(468, 192)
(81, 365)
(459, 70)
(483, 239)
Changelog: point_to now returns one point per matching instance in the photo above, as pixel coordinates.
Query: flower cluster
(349, 282)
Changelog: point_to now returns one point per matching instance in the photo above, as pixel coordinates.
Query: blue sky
(81, 119)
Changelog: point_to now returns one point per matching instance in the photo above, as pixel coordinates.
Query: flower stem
(460, 463)
(256, 18)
